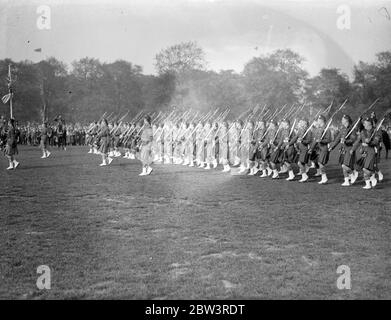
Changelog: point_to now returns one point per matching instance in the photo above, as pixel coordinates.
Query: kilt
(146, 154)
(223, 150)
(233, 150)
(104, 145)
(116, 141)
(304, 155)
(275, 156)
(177, 147)
(321, 155)
(44, 142)
(368, 159)
(290, 154)
(244, 152)
(265, 153)
(253, 152)
(11, 150)
(217, 149)
(210, 152)
(347, 159)
(200, 150)
(359, 160)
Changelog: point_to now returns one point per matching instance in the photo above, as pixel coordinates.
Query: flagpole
(11, 115)
(10, 90)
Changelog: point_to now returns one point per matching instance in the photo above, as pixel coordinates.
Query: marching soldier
(346, 137)
(234, 143)
(224, 146)
(319, 147)
(11, 147)
(258, 138)
(146, 139)
(104, 136)
(278, 144)
(304, 140)
(167, 133)
(44, 141)
(200, 145)
(189, 144)
(246, 140)
(265, 148)
(290, 152)
(368, 140)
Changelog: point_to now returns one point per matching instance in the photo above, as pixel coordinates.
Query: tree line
(87, 88)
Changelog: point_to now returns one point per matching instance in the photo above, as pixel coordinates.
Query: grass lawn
(187, 233)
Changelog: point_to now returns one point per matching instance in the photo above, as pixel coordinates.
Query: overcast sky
(230, 32)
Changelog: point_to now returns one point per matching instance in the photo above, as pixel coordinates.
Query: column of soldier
(260, 142)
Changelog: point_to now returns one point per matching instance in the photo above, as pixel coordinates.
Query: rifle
(359, 118)
(331, 118)
(292, 128)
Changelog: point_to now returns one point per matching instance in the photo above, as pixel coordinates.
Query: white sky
(231, 32)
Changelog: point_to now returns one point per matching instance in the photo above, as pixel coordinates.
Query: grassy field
(186, 233)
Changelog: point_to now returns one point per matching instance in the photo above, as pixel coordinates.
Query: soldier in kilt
(209, 141)
(258, 137)
(290, 153)
(104, 137)
(234, 143)
(116, 139)
(368, 141)
(146, 139)
(278, 144)
(346, 139)
(223, 136)
(319, 148)
(265, 149)
(304, 140)
(11, 146)
(44, 141)
(200, 145)
(167, 134)
(190, 141)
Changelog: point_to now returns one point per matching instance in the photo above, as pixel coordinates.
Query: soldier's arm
(327, 138)
(351, 139)
(356, 143)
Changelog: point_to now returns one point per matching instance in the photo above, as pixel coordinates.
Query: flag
(6, 98)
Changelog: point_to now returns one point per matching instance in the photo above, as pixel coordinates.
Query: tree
(121, 84)
(52, 82)
(276, 79)
(180, 58)
(331, 85)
